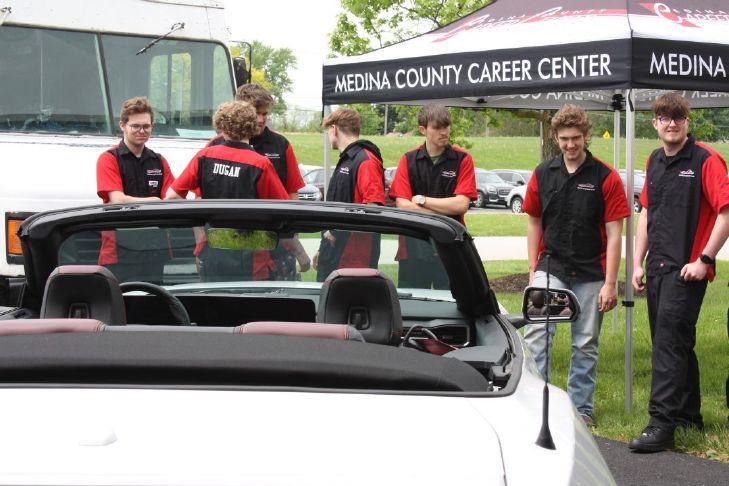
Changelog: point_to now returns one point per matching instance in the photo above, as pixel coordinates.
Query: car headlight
(491, 189)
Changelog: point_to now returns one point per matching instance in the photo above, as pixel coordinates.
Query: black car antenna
(174, 28)
(544, 439)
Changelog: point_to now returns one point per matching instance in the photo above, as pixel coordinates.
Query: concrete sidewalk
(490, 248)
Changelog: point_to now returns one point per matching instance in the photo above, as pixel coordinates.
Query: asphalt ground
(660, 468)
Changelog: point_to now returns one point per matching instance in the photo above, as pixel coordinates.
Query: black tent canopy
(544, 53)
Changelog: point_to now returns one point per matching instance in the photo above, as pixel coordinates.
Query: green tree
(272, 68)
(368, 24)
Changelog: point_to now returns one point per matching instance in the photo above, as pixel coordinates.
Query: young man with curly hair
(576, 204)
(683, 225)
(131, 172)
(231, 170)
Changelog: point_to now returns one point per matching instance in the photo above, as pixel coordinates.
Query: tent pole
(616, 164)
(327, 152)
(629, 149)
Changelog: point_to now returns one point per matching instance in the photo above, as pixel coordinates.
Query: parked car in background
(315, 177)
(491, 189)
(514, 177)
(389, 176)
(520, 179)
(310, 193)
(638, 182)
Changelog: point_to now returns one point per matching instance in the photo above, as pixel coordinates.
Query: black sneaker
(653, 439)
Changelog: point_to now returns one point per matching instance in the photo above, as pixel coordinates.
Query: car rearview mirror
(560, 304)
(234, 239)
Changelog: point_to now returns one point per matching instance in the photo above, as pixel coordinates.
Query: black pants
(415, 273)
(673, 309)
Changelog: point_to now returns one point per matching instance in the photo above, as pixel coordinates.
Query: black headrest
(83, 292)
(365, 299)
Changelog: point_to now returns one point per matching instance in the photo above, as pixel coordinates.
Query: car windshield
(489, 179)
(58, 81)
(212, 259)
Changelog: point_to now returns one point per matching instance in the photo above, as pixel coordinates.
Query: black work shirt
(574, 209)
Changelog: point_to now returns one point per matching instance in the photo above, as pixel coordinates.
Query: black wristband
(707, 259)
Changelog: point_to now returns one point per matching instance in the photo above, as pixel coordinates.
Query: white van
(66, 67)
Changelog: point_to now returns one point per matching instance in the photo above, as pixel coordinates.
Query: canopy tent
(544, 53)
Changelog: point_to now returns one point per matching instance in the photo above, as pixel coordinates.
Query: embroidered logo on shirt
(687, 173)
(448, 173)
(586, 186)
(226, 170)
(153, 183)
(344, 170)
(272, 156)
(154, 172)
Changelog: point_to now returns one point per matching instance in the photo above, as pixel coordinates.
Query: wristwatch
(707, 259)
(420, 200)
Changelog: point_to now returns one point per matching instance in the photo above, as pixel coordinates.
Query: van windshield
(75, 82)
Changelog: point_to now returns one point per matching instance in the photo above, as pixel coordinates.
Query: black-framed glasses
(135, 127)
(666, 120)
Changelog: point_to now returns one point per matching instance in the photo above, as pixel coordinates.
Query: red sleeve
(616, 202)
(400, 186)
(466, 183)
(715, 182)
(370, 182)
(188, 179)
(108, 178)
(167, 178)
(294, 181)
(531, 204)
(269, 185)
(644, 192)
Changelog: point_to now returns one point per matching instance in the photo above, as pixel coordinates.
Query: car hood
(148, 436)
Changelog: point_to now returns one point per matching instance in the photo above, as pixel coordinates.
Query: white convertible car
(196, 353)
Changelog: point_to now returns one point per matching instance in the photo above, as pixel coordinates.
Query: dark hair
(671, 104)
(136, 106)
(347, 120)
(255, 94)
(438, 115)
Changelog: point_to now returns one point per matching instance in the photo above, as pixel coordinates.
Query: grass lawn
(487, 152)
(712, 348)
(506, 224)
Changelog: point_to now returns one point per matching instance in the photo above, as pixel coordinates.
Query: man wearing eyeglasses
(683, 225)
(126, 173)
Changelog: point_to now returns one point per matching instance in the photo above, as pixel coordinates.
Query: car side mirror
(561, 305)
(241, 72)
(519, 183)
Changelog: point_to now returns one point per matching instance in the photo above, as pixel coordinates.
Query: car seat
(365, 299)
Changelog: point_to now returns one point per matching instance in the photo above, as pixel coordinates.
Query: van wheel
(516, 205)
(637, 207)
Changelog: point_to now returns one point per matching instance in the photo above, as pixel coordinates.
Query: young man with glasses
(683, 225)
(131, 172)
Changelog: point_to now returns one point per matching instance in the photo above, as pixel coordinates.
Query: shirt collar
(124, 150)
(447, 154)
(236, 144)
(558, 162)
(684, 153)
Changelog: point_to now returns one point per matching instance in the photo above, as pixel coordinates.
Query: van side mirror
(241, 72)
(560, 304)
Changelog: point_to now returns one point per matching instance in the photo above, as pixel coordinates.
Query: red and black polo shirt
(683, 195)
(231, 170)
(276, 148)
(359, 177)
(118, 169)
(416, 173)
(574, 209)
